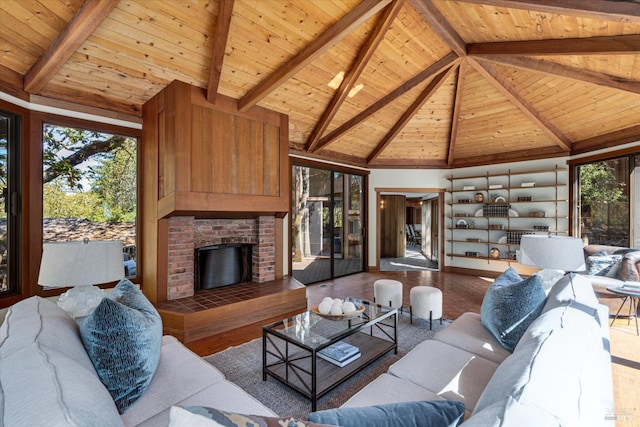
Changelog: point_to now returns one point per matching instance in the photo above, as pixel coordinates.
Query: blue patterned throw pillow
(431, 413)
(123, 338)
(510, 305)
(232, 419)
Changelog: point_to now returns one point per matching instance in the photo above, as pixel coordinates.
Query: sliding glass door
(327, 236)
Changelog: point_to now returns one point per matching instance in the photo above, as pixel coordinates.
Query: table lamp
(556, 255)
(82, 265)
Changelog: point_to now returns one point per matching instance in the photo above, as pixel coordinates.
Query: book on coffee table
(339, 352)
(342, 363)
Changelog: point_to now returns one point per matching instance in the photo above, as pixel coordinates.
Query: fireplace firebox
(222, 265)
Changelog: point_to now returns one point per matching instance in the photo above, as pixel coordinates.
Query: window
(90, 190)
(607, 201)
(327, 235)
(10, 138)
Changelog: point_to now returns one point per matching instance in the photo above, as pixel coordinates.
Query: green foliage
(107, 163)
(598, 183)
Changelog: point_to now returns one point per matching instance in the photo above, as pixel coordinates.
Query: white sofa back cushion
(45, 373)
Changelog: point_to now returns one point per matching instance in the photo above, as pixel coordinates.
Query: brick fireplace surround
(186, 234)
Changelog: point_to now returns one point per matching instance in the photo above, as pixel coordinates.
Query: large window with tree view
(89, 181)
(610, 201)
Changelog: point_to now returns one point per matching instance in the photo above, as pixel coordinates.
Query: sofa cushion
(439, 413)
(452, 374)
(510, 305)
(46, 376)
(569, 357)
(467, 333)
(629, 267)
(572, 289)
(123, 337)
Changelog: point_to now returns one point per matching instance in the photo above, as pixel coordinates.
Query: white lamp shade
(552, 252)
(81, 263)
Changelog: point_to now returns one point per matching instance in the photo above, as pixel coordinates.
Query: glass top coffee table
(290, 347)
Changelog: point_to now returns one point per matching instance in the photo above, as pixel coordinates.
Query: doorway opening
(409, 223)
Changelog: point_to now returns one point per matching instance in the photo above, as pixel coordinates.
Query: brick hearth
(186, 234)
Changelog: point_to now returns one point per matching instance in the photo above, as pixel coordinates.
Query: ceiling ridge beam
(220, 37)
(358, 66)
(440, 25)
(80, 27)
(352, 20)
(455, 113)
(406, 117)
(620, 11)
(490, 73)
(608, 45)
(559, 70)
(405, 87)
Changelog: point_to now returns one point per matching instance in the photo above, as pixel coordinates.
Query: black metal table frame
(290, 356)
(633, 305)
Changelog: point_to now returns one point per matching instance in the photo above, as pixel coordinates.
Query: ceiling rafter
(455, 112)
(559, 70)
(406, 117)
(610, 45)
(78, 29)
(221, 35)
(490, 73)
(358, 66)
(430, 71)
(620, 11)
(352, 20)
(440, 25)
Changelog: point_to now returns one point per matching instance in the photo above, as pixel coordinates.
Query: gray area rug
(243, 366)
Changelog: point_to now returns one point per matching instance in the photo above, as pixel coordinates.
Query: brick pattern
(186, 233)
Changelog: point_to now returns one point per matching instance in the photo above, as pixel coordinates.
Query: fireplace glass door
(326, 234)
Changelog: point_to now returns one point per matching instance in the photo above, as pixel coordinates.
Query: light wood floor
(462, 293)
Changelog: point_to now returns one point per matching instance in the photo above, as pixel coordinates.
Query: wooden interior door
(392, 222)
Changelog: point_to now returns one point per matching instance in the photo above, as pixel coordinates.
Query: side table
(630, 291)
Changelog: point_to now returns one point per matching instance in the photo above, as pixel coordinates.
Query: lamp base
(81, 300)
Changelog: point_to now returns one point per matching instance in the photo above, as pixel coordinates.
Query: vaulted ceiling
(376, 83)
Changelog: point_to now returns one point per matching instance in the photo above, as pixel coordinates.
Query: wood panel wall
(210, 161)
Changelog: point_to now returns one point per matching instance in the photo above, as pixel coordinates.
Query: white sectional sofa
(47, 378)
(558, 375)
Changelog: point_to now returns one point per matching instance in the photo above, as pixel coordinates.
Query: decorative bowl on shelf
(343, 316)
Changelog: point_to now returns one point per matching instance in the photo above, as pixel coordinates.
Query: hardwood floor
(462, 293)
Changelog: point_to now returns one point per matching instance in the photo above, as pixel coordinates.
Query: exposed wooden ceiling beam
(428, 91)
(359, 64)
(511, 156)
(619, 11)
(317, 47)
(490, 73)
(612, 45)
(430, 71)
(455, 112)
(440, 25)
(558, 70)
(408, 164)
(619, 137)
(220, 37)
(84, 22)
(11, 82)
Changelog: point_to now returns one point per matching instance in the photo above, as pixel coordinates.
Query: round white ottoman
(426, 303)
(387, 292)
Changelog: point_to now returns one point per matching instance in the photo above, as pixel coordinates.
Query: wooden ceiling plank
(619, 11)
(455, 113)
(359, 65)
(317, 47)
(612, 139)
(431, 88)
(503, 86)
(609, 45)
(79, 28)
(221, 35)
(558, 70)
(440, 25)
(430, 71)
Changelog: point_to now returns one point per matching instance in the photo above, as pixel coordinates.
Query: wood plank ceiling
(376, 83)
